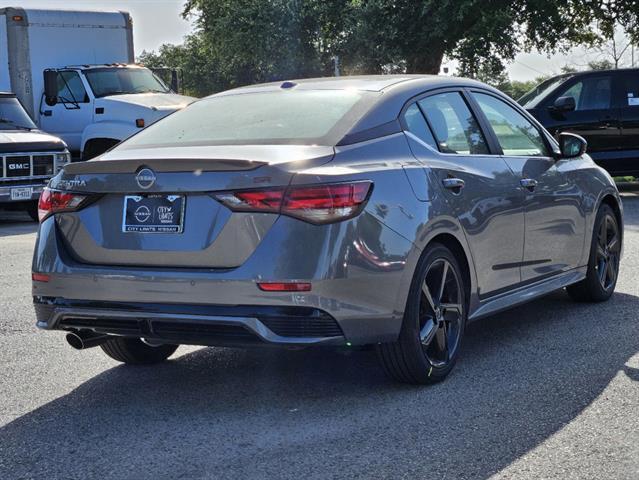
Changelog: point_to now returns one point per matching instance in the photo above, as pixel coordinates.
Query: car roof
(392, 91)
(372, 83)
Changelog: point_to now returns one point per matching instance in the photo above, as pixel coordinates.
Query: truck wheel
(32, 210)
(134, 351)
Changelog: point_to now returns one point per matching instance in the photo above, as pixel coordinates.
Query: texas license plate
(21, 193)
(153, 213)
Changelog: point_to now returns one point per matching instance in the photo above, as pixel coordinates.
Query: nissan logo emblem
(145, 178)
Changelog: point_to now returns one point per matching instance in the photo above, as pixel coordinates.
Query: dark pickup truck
(28, 157)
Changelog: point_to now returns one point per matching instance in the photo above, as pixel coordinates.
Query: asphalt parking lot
(548, 390)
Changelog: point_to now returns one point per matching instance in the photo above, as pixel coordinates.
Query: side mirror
(565, 104)
(571, 145)
(51, 87)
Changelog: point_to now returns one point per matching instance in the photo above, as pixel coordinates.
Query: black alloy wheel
(434, 321)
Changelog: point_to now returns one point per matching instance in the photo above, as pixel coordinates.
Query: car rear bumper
(364, 294)
(197, 325)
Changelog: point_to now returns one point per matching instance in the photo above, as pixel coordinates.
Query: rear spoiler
(160, 165)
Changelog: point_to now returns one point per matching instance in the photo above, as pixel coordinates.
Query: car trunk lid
(133, 191)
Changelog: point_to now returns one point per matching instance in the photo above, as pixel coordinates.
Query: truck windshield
(537, 94)
(119, 81)
(13, 116)
(304, 117)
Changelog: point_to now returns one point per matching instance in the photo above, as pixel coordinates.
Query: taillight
(316, 204)
(54, 201)
(253, 200)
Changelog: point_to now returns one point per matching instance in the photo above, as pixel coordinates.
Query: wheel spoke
(443, 284)
(428, 331)
(603, 230)
(428, 296)
(610, 272)
(601, 271)
(600, 251)
(613, 244)
(442, 340)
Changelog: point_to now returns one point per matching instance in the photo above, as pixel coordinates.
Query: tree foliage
(238, 42)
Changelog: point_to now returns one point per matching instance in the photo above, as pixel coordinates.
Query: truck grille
(27, 165)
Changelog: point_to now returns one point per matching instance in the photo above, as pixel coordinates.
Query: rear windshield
(301, 117)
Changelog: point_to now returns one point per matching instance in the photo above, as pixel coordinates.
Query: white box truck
(73, 71)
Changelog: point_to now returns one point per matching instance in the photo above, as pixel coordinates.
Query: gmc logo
(19, 166)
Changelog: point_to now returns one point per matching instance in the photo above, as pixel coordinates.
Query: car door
(74, 111)
(595, 116)
(478, 188)
(555, 225)
(628, 98)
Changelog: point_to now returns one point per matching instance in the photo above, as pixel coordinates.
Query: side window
(453, 124)
(71, 89)
(517, 136)
(630, 90)
(592, 93)
(417, 125)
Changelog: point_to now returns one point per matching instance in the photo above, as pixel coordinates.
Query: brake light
(253, 200)
(316, 204)
(54, 201)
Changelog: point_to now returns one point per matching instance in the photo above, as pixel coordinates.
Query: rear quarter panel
(402, 203)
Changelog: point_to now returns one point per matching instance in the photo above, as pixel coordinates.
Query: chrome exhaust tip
(82, 341)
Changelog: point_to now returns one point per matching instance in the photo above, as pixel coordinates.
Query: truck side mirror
(51, 87)
(565, 104)
(175, 81)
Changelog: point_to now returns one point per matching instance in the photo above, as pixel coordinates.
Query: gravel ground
(547, 390)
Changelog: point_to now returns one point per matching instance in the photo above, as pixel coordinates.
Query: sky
(156, 22)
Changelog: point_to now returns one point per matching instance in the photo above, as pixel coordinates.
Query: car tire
(32, 210)
(134, 351)
(603, 263)
(434, 321)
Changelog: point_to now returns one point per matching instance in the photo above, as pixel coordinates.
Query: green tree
(200, 73)
(237, 42)
(604, 64)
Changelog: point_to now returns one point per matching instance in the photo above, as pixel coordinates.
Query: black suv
(602, 106)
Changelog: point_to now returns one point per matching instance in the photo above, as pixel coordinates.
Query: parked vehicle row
(376, 210)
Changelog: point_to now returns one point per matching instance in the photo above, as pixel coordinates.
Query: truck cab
(28, 157)
(94, 107)
(74, 73)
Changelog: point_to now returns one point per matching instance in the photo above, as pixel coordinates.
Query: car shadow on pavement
(222, 413)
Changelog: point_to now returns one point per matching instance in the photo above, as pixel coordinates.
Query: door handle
(454, 184)
(528, 183)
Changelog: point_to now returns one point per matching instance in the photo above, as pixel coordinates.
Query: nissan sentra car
(384, 211)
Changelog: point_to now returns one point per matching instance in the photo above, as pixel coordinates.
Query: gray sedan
(345, 212)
